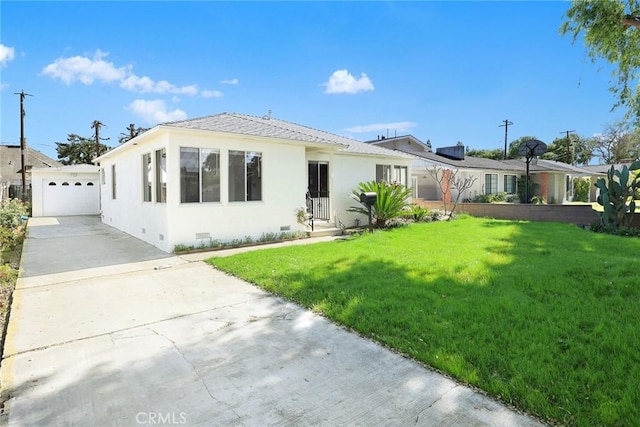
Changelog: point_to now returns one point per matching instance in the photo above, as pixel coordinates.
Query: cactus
(616, 195)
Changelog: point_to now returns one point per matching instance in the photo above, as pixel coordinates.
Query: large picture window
(245, 176)
(161, 176)
(491, 183)
(147, 177)
(383, 173)
(400, 175)
(199, 175)
(510, 184)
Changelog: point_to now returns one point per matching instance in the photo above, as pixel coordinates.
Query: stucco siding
(348, 172)
(283, 193)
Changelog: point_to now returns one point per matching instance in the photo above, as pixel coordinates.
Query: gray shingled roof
(473, 162)
(270, 127)
(11, 163)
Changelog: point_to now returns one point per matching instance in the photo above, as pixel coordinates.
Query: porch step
(321, 232)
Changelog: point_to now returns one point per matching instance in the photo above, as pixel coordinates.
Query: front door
(319, 189)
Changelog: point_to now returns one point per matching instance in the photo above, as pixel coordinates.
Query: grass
(543, 316)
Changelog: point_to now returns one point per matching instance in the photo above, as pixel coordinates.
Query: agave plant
(391, 201)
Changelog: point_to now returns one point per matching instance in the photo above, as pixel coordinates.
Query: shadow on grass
(543, 315)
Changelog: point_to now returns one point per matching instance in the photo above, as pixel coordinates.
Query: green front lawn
(544, 316)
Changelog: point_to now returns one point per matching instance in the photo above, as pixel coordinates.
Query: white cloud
(88, 70)
(146, 85)
(230, 82)
(155, 111)
(211, 94)
(85, 70)
(6, 54)
(341, 81)
(397, 126)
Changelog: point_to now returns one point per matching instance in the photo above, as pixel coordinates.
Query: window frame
(514, 179)
(147, 178)
(246, 173)
(489, 185)
(201, 152)
(160, 157)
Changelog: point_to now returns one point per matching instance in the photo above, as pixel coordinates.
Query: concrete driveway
(107, 330)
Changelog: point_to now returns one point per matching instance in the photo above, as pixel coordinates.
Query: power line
(23, 143)
(506, 125)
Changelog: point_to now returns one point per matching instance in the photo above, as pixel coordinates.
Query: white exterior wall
(128, 212)
(166, 225)
(284, 186)
(347, 171)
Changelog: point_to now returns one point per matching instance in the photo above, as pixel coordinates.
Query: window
(113, 181)
(400, 175)
(65, 183)
(383, 173)
(161, 176)
(510, 186)
(245, 176)
(491, 183)
(199, 175)
(102, 176)
(78, 183)
(52, 183)
(147, 177)
(90, 184)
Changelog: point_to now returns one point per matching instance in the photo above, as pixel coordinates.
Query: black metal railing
(320, 205)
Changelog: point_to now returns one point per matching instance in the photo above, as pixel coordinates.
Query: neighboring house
(65, 190)
(11, 169)
(228, 176)
(554, 179)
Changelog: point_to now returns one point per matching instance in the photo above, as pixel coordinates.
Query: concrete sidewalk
(142, 337)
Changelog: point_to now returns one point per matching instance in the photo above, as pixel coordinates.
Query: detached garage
(66, 190)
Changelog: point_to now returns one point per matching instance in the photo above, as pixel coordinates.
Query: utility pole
(97, 124)
(569, 158)
(23, 144)
(506, 125)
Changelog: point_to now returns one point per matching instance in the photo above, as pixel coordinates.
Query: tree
(617, 144)
(78, 150)
(132, 132)
(391, 201)
(512, 152)
(607, 37)
(496, 154)
(447, 179)
(575, 151)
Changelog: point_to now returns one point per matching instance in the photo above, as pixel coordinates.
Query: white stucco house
(228, 176)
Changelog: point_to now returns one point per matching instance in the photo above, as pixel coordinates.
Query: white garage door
(72, 197)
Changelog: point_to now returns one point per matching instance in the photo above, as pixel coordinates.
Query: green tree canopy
(576, 150)
(512, 152)
(619, 142)
(132, 132)
(496, 154)
(78, 150)
(600, 24)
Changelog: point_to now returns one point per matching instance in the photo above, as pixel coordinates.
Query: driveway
(107, 330)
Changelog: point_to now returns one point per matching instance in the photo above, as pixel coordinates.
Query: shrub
(391, 201)
(11, 213)
(581, 188)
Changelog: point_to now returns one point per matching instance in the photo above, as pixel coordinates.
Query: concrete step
(321, 232)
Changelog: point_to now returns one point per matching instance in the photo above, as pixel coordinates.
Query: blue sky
(441, 71)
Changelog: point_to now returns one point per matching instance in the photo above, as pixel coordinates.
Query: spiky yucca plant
(391, 201)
